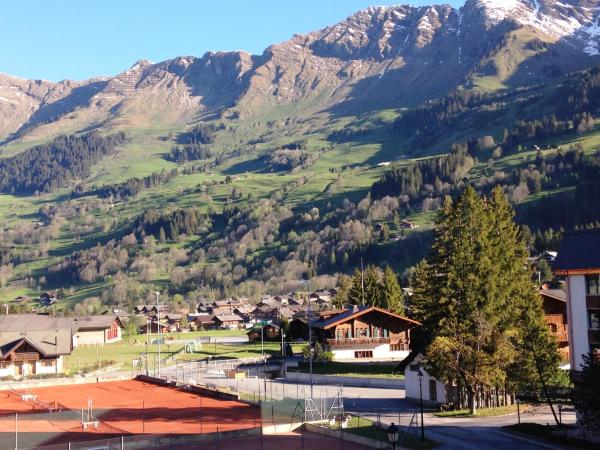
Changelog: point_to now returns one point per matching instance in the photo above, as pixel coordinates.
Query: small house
(228, 321)
(97, 330)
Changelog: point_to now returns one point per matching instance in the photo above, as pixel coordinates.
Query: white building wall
(381, 352)
(41, 369)
(93, 337)
(411, 383)
(578, 320)
(7, 371)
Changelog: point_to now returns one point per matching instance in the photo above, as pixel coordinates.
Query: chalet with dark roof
(365, 333)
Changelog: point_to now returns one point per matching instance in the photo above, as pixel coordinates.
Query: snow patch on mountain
(529, 12)
(592, 32)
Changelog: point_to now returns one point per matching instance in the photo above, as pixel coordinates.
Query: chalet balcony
(561, 336)
(24, 356)
(352, 342)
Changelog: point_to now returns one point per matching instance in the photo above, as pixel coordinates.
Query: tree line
(411, 180)
(131, 187)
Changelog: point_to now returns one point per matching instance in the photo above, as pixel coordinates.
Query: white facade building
(433, 391)
(579, 262)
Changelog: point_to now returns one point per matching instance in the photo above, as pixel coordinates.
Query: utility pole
(158, 325)
(362, 281)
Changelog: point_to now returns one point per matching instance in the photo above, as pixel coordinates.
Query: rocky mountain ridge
(380, 57)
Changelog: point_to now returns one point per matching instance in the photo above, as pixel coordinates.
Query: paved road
(389, 405)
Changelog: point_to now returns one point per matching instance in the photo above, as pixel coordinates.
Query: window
(397, 347)
(47, 363)
(594, 319)
(363, 354)
(595, 351)
(592, 284)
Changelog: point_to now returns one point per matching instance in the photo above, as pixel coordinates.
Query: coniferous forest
(47, 167)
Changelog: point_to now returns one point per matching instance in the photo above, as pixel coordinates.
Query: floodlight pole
(158, 325)
(310, 347)
(16, 431)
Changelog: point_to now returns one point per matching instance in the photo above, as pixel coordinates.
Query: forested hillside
(234, 174)
(47, 167)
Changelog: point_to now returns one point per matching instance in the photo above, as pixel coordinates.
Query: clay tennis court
(122, 408)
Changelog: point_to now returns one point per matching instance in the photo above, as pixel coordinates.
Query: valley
(300, 134)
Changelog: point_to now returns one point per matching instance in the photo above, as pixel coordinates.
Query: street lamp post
(420, 376)
(262, 341)
(393, 434)
(158, 326)
(310, 343)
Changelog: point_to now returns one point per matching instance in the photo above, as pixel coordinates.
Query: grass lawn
(481, 412)
(124, 352)
(366, 428)
(368, 370)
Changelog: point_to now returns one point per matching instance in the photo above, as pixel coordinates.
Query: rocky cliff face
(377, 58)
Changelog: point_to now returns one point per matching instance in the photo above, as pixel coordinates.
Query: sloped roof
(556, 294)
(50, 343)
(578, 251)
(20, 322)
(228, 318)
(96, 322)
(357, 312)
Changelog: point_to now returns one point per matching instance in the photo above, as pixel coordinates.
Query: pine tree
(587, 392)
(373, 287)
(355, 294)
(476, 301)
(173, 232)
(344, 286)
(393, 299)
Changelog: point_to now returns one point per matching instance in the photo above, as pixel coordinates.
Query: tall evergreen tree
(393, 298)
(476, 300)
(373, 287)
(355, 294)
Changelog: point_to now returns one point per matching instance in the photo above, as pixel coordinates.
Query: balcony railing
(351, 342)
(25, 356)
(561, 336)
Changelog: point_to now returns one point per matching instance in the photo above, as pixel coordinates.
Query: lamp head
(393, 433)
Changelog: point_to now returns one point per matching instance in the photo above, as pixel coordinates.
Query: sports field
(54, 414)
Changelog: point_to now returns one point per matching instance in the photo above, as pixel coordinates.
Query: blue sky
(79, 39)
